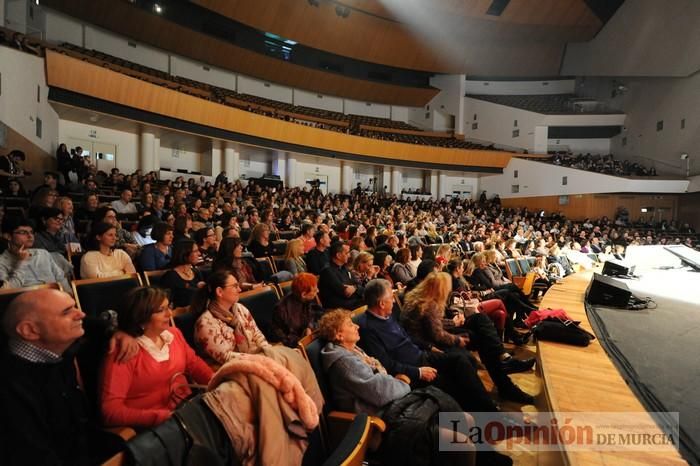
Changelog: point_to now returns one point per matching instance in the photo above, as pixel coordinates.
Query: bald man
(44, 415)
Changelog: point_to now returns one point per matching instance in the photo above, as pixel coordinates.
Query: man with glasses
(22, 265)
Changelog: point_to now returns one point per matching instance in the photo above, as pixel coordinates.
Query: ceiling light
(157, 8)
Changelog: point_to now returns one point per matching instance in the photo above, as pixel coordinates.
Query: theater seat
(152, 277)
(95, 295)
(334, 424)
(261, 302)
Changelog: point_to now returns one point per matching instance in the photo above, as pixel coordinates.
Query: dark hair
(138, 307)
(424, 268)
(305, 227)
(201, 235)
(453, 265)
(335, 248)
(319, 235)
(11, 222)
(205, 294)
(414, 248)
(159, 231)
(98, 229)
(101, 213)
(181, 252)
(403, 255)
(181, 224)
(224, 257)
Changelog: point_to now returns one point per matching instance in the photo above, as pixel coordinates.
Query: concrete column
(346, 177)
(442, 185)
(232, 162)
(156, 159)
(385, 181)
(291, 177)
(216, 166)
(279, 164)
(434, 177)
(396, 178)
(148, 152)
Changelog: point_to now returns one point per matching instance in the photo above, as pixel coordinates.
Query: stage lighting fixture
(157, 8)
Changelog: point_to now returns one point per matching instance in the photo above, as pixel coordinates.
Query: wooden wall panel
(84, 78)
(137, 24)
(583, 206)
(372, 37)
(689, 210)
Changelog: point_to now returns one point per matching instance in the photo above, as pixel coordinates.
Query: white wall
(542, 179)
(265, 89)
(399, 113)
(643, 38)
(22, 75)
(113, 44)
(354, 107)
(449, 101)
(310, 165)
(127, 143)
(191, 69)
(460, 182)
(176, 157)
(2, 13)
(495, 124)
(670, 100)
(255, 161)
(314, 100)
(694, 185)
(62, 28)
(593, 146)
(557, 86)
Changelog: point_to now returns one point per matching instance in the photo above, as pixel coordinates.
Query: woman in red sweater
(146, 389)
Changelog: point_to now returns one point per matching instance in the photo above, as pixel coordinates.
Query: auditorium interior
(542, 157)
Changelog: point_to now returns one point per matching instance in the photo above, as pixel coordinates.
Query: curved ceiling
(446, 36)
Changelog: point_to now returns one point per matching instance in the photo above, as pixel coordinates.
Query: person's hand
(20, 252)
(458, 319)
(463, 341)
(427, 374)
(374, 271)
(124, 345)
(349, 290)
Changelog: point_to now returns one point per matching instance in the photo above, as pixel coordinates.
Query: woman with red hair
(297, 313)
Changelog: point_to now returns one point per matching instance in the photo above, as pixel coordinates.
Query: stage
(657, 349)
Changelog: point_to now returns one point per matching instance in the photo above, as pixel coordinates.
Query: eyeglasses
(23, 232)
(233, 285)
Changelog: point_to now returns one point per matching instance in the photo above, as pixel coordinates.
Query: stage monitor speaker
(608, 292)
(613, 269)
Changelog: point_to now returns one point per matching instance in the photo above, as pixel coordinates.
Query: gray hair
(374, 290)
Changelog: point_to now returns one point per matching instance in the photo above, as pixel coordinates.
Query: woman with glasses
(183, 279)
(145, 390)
(230, 258)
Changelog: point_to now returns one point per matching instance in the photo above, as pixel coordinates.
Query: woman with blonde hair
(425, 321)
(443, 255)
(363, 268)
(293, 260)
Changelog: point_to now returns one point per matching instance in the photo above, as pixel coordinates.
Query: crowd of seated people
(605, 164)
(444, 259)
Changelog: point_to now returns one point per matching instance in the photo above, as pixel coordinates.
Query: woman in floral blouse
(225, 326)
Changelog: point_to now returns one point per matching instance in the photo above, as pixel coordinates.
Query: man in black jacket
(44, 412)
(317, 259)
(338, 289)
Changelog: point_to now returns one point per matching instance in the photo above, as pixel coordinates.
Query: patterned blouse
(221, 334)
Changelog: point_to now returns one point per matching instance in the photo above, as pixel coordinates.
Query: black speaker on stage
(613, 269)
(607, 292)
